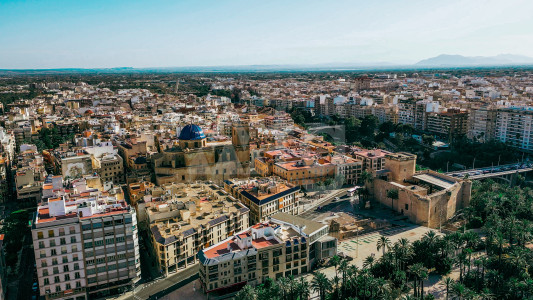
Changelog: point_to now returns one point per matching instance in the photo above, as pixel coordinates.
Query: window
(54, 261)
(72, 239)
(41, 244)
(74, 248)
(40, 235)
(76, 266)
(72, 230)
(53, 252)
(42, 254)
(52, 243)
(44, 263)
(46, 281)
(78, 284)
(56, 270)
(45, 272)
(65, 268)
(56, 279)
(61, 231)
(58, 288)
(406, 206)
(77, 274)
(50, 233)
(67, 286)
(67, 277)
(63, 250)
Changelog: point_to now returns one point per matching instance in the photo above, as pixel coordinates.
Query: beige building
(373, 160)
(188, 218)
(196, 159)
(29, 174)
(265, 197)
(110, 167)
(427, 198)
(283, 246)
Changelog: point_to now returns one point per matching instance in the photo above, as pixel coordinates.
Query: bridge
(503, 172)
(336, 132)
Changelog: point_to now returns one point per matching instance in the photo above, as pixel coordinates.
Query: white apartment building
(481, 124)
(85, 243)
(514, 125)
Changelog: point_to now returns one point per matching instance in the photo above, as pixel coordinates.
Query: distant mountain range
(446, 60)
(441, 61)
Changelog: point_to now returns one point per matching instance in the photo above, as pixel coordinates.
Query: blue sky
(55, 34)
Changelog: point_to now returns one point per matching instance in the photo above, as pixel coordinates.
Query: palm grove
(489, 257)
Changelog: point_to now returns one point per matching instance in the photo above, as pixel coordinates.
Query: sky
(159, 33)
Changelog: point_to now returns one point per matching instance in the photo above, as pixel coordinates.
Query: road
(322, 202)
(161, 287)
(26, 270)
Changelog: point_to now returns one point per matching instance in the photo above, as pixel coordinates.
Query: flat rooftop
(434, 180)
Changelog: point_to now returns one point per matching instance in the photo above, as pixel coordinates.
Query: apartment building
(188, 218)
(450, 124)
(283, 245)
(514, 125)
(482, 124)
(29, 174)
(109, 167)
(406, 111)
(106, 162)
(373, 160)
(305, 172)
(347, 168)
(265, 197)
(85, 242)
(72, 163)
(280, 121)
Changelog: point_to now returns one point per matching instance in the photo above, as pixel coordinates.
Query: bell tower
(240, 138)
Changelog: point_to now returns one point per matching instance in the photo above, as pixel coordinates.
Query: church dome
(191, 132)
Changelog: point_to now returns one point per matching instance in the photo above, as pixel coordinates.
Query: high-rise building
(85, 242)
(513, 127)
(482, 124)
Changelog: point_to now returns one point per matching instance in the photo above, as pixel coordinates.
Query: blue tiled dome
(191, 132)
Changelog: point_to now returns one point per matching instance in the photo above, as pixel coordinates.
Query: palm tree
(302, 289)
(393, 195)
(369, 261)
(343, 268)
(335, 260)
(247, 293)
(320, 284)
(448, 283)
(366, 177)
(459, 290)
(383, 243)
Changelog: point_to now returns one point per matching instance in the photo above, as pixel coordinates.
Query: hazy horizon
(160, 34)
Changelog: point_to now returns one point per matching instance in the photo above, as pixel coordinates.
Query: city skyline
(59, 34)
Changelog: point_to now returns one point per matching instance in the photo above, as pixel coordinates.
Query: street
(163, 286)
